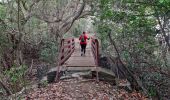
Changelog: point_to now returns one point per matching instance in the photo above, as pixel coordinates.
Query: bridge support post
(67, 47)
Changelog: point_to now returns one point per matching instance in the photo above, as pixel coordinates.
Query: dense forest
(134, 37)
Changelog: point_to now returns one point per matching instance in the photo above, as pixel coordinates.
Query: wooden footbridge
(70, 56)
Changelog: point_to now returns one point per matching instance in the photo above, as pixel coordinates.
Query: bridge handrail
(66, 49)
(95, 49)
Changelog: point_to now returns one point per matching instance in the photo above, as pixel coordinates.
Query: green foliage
(49, 52)
(77, 32)
(3, 38)
(43, 83)
(132, 27)
(16, 77)
(78, 27)
(152, 91)
(16, 73)
(2, 12)
(3, 42)
(103, 29)
(164, 1)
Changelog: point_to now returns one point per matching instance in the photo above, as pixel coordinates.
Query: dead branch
(30, 70)
(5, 88)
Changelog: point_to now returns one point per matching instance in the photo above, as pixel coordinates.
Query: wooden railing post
(97, 58)
(59, 58)
(67, 47)
(95, 51)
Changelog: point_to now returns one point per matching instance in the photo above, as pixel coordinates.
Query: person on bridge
(83, 42)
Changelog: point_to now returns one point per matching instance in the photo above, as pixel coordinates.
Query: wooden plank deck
(83, 63)
(76, 60)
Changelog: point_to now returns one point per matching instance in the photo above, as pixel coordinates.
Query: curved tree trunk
(134, 80)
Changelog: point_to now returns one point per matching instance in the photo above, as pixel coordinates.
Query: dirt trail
(82, 89)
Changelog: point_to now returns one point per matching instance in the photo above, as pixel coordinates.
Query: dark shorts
(83, 48)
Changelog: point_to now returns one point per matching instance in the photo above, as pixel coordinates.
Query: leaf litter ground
(82, 89)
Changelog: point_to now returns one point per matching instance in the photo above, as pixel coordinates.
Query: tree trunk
(18, 52)
(162, 28)
(134, 80)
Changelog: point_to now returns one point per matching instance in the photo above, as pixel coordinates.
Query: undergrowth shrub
(16, 77)
(48, 53)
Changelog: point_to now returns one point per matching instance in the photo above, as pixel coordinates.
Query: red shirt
(85, 38)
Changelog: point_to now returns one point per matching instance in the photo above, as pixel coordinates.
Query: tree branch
(72, 15)
(47, 20)
(68, 25)
(6, 88)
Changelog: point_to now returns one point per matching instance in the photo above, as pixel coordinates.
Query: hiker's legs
(85, 48)
(81, 49)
